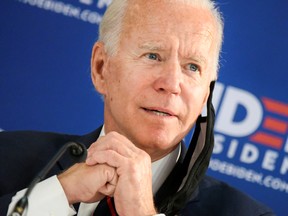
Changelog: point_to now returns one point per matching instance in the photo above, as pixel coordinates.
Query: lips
(159, 111)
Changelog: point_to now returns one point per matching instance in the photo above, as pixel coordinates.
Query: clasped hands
(114, 167)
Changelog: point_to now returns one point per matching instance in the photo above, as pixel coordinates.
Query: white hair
(111, 25)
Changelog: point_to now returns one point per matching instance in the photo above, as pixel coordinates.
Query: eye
(153, 56)
(193, 67)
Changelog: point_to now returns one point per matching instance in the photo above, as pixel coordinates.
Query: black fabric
(200, 166)
(173, 200)
(103, 208)
(165, 199)
(23, 154)
(215, 198)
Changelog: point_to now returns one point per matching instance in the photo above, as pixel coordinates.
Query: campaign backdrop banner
(45, 49)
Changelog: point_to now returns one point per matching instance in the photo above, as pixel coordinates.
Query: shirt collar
(162, 168)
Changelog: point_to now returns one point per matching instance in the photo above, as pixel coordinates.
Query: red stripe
(111, 206)
(267, 139)
(275, 125)
(275, 106)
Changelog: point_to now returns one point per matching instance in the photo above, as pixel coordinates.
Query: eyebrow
(152, 46)
(196, 58)
(156, 46)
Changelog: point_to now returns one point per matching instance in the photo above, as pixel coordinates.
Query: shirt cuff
(47, 199)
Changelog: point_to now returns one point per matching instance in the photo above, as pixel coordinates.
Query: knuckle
(133, 169)
(145, 156)
(109, 172)
(113, 134)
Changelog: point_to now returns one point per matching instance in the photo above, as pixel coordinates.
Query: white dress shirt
(49, 199)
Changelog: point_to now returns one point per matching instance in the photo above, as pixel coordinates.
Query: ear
(98, 65)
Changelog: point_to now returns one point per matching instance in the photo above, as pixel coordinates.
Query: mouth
(159, 112)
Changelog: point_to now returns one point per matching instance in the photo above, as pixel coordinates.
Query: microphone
(77, 150)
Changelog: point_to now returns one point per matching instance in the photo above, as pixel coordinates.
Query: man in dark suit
(155, 64)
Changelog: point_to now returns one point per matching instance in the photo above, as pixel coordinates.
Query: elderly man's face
(158, 82)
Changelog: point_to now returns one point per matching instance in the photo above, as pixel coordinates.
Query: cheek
(128, 79)
(114, 79)
(195, 99)
(121, 87)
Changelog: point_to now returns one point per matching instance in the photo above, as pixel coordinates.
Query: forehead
(161, 20)
(151, 12)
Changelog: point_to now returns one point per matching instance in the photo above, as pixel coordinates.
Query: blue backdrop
(45, 49)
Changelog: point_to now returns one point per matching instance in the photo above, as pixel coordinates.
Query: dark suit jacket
(24, 154)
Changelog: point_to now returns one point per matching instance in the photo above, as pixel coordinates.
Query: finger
(111, 140)
(108, 189)
(114, 141)
(110, 157)
(79, 189)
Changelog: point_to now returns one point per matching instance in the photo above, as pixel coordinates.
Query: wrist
(69, 196)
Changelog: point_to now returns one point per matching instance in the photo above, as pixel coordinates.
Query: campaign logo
(100, 3)
(251, 137)
(272, 125)
(85, 10)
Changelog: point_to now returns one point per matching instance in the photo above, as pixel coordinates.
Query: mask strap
(175, 202)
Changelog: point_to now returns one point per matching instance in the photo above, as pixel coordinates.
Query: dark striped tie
(106, 207)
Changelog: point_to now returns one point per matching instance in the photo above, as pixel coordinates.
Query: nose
(169, 79)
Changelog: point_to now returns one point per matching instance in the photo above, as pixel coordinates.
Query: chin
(157, 142)
(154, 138)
